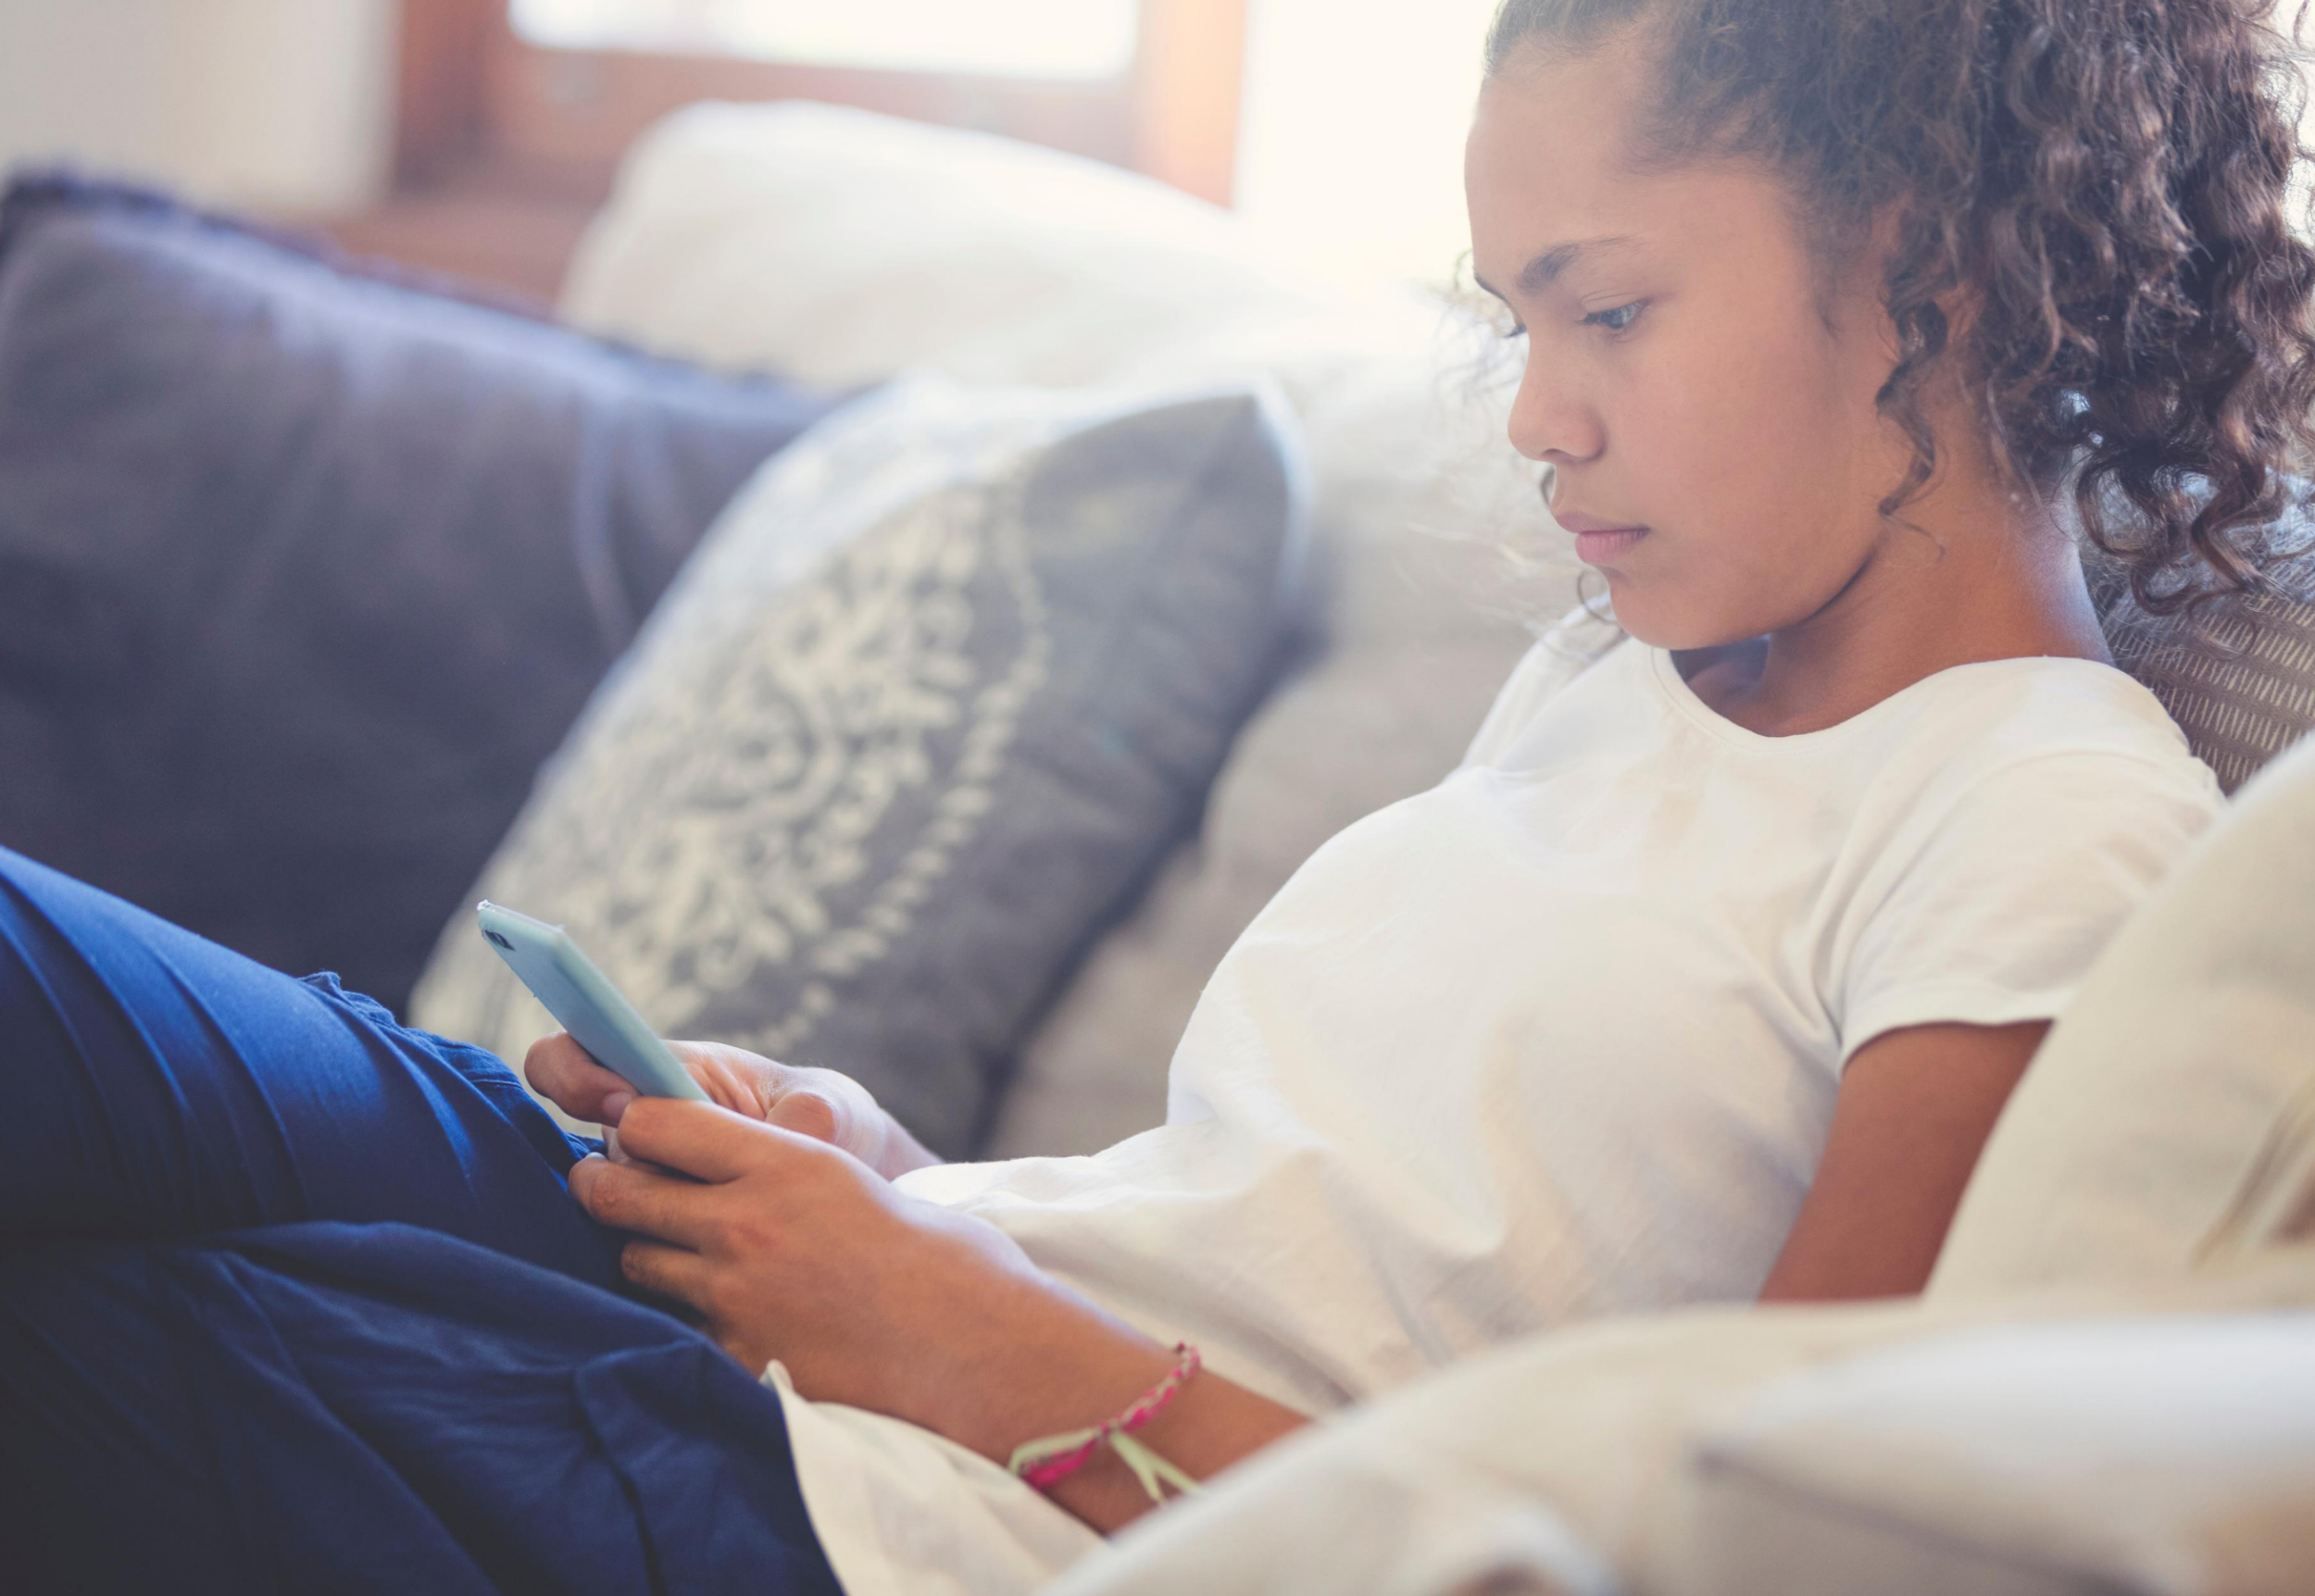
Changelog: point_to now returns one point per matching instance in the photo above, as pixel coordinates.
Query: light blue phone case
(584, 1000)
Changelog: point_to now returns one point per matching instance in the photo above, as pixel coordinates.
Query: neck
(1970, 573)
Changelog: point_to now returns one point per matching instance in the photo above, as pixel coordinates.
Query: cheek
(1749, 445)
(1758, 456)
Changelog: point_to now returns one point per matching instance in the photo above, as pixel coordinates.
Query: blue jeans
(295, 1298)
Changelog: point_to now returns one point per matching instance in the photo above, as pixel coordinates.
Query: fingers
(567, 1076)
(733, 1078)
(712, 1144)
(667, 1272)
(627, 1197)
(820, 1104)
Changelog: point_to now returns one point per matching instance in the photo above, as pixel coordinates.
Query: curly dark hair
(2104, 182)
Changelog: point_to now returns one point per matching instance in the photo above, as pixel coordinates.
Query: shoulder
(2058, 781)
(2031, 810)
(2079, 734)
(2060, 701)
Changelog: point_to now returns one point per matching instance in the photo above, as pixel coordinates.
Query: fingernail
(614, 1105)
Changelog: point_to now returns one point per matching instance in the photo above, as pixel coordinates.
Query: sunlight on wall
(1035, 38)
(1351, 159)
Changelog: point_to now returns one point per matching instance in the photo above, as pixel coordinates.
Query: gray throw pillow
(930, 699)
(306, 570)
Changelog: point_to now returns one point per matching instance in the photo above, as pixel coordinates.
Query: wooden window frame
(474, 98)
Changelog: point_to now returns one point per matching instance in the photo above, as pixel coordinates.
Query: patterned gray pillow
(2242, 688)
(932, 696)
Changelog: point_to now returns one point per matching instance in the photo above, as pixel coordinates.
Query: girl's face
(1689, 372)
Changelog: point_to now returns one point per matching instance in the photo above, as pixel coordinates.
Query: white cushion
(841, 247)
(2164, 1456)
(1410, 634)
(2169, 1118)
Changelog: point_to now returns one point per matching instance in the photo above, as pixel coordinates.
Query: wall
(278, 105)
(1351, 158)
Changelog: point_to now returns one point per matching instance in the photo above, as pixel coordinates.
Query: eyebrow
(1547, 268)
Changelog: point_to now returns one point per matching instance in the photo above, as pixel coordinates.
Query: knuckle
(714, 1296)
(732, 1233)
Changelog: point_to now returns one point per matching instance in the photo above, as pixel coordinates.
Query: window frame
(473, 95)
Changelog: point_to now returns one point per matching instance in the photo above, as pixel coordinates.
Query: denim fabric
(293, 1298)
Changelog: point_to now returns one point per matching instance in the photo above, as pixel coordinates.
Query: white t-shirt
(1560, 1038)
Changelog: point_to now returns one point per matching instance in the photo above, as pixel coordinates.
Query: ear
(1878, 259)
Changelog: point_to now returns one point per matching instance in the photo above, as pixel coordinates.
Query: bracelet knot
(1046, 1463)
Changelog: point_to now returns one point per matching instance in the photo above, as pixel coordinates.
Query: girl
(1705, 976)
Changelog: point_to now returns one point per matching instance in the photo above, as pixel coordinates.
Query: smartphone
(584, 1000)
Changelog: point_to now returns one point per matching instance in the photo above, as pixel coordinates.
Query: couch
(2110, 1385)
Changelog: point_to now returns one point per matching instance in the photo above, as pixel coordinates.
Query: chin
(1661, 621)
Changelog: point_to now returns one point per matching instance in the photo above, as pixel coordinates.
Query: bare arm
(1915, 1109)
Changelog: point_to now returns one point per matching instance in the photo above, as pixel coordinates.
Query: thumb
(832, 1107)
(805, 1112)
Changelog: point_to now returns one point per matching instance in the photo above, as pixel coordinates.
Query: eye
(1620, 318)
(1516, 333)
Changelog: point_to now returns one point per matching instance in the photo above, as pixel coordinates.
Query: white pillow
(840, 246)
(2154, 1456)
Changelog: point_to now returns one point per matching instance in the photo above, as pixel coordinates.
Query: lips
(1597, 542)
(1599, 548)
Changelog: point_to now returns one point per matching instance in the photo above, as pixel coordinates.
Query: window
(1012, 38)
(545, 97)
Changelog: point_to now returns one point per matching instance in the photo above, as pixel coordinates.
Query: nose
(1551, 418)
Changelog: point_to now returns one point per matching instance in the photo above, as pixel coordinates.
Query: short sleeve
(2005, 899)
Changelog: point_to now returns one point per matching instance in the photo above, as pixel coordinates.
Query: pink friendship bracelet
(1046, 1462)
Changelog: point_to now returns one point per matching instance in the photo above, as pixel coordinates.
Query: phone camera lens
(501, 940)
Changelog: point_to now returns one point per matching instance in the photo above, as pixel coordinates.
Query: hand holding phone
(586, 1003)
